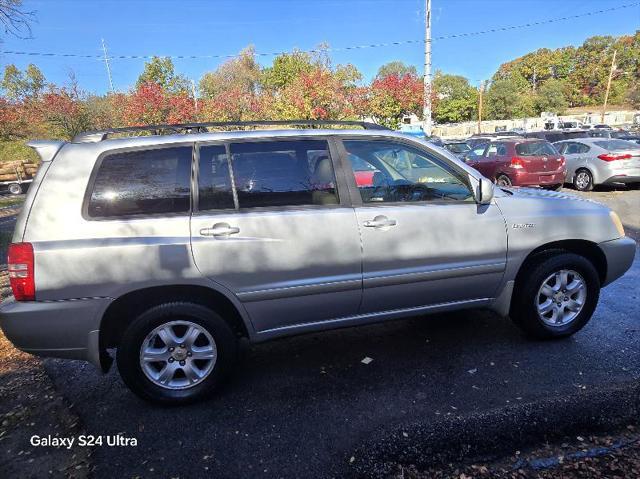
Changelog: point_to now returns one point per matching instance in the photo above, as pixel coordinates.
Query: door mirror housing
(484, 191)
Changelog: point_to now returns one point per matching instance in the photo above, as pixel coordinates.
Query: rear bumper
(523, 178)
(619, 253)
(624, 179)
(63, 329)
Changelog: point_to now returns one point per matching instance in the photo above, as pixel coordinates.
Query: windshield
(617, 145)
(457, 147)
(536, 148)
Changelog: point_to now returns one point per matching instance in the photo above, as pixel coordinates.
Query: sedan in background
(521, 162)
(600, 161)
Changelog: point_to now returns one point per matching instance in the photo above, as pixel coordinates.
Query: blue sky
(201, 27)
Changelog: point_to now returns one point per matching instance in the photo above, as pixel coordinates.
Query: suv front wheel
(556, 295)
(176, 352)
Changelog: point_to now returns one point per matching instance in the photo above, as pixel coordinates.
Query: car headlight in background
(616, 221)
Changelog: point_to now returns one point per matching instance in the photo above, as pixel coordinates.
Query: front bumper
(619, 253)
(61, 329)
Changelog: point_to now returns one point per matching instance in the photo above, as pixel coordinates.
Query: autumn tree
(160, 70)
(396, 68)
(455, 99)
(150, 104)
(394, 96)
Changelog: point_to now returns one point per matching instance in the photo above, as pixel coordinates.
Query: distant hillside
(581, 73)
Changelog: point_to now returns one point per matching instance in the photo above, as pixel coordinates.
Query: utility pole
(106, 62)
(426, 112)
(606, 95)
(480, 107)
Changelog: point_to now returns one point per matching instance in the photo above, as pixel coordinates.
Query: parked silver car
(600, 161)
(170, 248)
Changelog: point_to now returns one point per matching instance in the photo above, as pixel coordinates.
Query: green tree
(19, 85)
(242, 73)
(160, 70)
(396, 68)
(551, 97)
(455, 99)
(286, 68)
(505, 101)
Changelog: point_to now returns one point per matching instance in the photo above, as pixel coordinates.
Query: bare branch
(14, 20)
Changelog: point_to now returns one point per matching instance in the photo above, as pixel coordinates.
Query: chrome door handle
(220, 229)
(380, 222)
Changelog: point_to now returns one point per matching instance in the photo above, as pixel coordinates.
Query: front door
(271, 226)
(425, 242)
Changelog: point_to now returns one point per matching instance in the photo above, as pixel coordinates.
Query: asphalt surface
(305, 406)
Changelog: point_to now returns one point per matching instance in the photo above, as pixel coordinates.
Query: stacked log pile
(10, 170)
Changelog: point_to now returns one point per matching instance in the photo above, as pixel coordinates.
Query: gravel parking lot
(305, 406)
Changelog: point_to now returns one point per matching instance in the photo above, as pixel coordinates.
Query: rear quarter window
(142, 182)
(617, 145)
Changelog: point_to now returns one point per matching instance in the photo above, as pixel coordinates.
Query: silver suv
(169, 248)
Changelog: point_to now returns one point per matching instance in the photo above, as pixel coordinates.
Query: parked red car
(520, 162)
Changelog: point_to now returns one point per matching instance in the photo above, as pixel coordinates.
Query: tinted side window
(142, 182)
(214, 180)
(283, 173)
(401, 173)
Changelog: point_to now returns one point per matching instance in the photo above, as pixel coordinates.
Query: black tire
(578, 182)
(554, 187)
(525, 296)
(503, 180)
(128, 353)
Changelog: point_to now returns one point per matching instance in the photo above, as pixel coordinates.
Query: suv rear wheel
(176, 353)
(556, 295)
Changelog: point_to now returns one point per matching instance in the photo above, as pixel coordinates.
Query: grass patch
(11, 201)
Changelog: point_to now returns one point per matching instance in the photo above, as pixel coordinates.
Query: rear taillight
(21, 274)
(562, 162)
(517, 163)
(612, 157)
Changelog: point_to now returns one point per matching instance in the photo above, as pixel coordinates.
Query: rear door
(271, 226)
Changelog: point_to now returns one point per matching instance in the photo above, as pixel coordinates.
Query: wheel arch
(126, 307)
(585, 248)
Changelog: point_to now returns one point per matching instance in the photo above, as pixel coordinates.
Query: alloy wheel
(178, 355)
(561, 297)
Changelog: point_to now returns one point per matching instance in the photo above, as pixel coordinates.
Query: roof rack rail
(100, 135)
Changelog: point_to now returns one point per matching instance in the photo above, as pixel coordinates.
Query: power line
(336, 49)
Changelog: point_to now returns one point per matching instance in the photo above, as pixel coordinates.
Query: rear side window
(617, 145)
(142, 183)
(536, 148)
(283, 173)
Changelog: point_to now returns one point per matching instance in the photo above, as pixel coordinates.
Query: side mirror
(484, 193)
